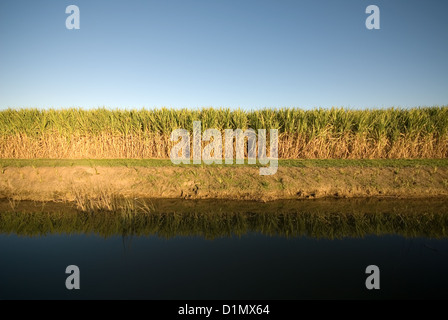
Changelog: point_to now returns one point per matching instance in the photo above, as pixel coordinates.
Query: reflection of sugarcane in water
(171, 218)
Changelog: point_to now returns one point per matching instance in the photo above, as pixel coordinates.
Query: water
(231, 255)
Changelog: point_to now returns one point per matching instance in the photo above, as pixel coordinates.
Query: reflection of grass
(126, 210)
(121, 216)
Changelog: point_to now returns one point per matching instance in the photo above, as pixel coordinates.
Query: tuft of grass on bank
(321, 163)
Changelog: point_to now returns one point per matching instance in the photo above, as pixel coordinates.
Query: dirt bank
(63, 183)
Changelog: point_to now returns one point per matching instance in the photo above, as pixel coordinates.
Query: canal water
(309, 249)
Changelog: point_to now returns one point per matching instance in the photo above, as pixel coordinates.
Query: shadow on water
(330, 219)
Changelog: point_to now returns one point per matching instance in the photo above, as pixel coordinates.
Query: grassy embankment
(71, 180)
(344, 153)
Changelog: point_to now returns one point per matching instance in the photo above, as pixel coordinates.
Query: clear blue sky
(223, 53)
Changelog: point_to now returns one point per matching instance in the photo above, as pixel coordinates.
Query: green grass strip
(167, 163)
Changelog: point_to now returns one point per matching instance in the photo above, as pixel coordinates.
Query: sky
(246, 54)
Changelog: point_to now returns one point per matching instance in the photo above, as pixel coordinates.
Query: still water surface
(230, 250)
